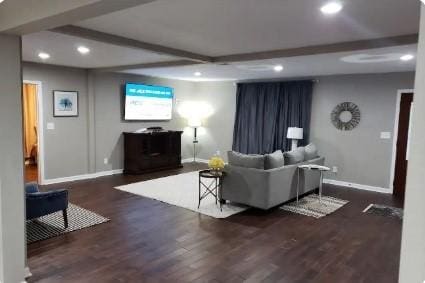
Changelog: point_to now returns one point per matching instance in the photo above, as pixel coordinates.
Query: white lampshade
(199, 109)
(194, 122)
(295, 133)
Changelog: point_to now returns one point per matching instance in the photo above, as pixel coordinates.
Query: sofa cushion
(294, 156)
(274, 160)
(310, 152)
(246, 160)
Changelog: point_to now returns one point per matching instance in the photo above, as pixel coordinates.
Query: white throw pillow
(310, 152)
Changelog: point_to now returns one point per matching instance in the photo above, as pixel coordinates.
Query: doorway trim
(40, 131)
(400, 92)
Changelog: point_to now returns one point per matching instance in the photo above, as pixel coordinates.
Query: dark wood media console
(151, 151)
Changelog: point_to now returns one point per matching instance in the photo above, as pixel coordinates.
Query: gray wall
(217, 131)
(65, 147)
(80, 145)
(413, 249)
(108, 89)
(12, 241)
(351, 152)
(361, 156)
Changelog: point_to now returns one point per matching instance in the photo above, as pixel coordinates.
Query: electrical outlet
(335, 169)
(105, 161)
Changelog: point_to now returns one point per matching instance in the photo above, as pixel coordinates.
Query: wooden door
(401, 149)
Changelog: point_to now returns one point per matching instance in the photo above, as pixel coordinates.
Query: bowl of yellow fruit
(216, 163)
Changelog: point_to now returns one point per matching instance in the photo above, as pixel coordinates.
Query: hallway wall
(65, 147)
(12, 208)
(79, 145)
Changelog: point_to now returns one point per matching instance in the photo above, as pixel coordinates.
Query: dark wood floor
(150, 241)
(31, 173)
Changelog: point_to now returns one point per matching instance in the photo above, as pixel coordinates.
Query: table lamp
(295, 134)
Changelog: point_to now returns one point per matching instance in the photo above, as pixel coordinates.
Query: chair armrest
(57, 194)
(31, 188)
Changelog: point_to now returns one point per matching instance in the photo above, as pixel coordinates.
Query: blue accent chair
(44, 203)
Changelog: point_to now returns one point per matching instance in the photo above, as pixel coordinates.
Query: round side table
(211, 183)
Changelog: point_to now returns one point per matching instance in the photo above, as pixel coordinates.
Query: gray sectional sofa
(267, 188)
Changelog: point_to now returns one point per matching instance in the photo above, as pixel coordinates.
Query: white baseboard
(81, 177)
(101, 174)
(27, 272)
(357, 186)
(189, 160)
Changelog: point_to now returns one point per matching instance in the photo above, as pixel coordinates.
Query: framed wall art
(65, 103)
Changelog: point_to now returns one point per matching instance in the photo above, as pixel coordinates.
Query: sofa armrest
(267, 188)
(284, 181)
(43, 203)
(246, 185)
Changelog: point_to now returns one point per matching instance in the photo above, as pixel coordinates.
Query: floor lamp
(194, 123)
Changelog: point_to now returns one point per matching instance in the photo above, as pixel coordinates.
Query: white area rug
(182, 190)
(310, 206)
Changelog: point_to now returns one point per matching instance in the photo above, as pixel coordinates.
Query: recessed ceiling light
(331, 8)
(371, 58)
(1, 1)
(43, 55)
(83, 49)
(256, 68)
(197, 74)
(407, 57)
(278, 68)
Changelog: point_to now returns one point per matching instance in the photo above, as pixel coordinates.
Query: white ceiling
(14, 13)
(303, 66)
(223, 27)
(63, 51)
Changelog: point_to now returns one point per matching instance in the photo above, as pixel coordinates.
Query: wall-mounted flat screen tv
(148, 102)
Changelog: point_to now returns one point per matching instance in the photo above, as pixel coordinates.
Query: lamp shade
(199, 109)
(194, 122)
(295, 133)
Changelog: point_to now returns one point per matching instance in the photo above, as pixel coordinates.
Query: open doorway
(401, 142)
(30, 104)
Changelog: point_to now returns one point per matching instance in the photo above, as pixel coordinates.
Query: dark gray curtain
(264, 111)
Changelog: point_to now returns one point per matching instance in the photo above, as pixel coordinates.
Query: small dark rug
(384, 210)
(311, 206)
(52, 225)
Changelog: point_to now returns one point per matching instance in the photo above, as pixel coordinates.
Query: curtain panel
(30, 119)
(264, 111)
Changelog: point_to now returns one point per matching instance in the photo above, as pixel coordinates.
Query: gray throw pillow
(294, 156)
(245, 160)
(310, 152)
(274, 160)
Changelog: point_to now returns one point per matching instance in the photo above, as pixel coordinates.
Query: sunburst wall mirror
(346, 116)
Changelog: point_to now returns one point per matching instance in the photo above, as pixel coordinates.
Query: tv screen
(148, 102)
